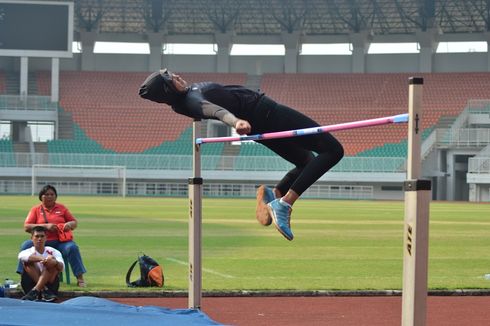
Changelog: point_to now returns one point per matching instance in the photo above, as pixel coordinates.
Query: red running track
(331, 311)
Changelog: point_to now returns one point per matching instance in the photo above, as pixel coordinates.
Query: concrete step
(231, 150)
(12, 80)
(41, 147)
(65, 128)
(12, 84)
(21, 147)
(445, 121)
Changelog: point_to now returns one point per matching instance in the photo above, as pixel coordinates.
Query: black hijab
(158, 87)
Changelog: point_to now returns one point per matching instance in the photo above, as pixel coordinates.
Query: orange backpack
(151, 273)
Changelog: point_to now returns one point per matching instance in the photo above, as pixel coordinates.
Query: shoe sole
(262, 211)
(48, 300)
(271, 212)
(26, 298)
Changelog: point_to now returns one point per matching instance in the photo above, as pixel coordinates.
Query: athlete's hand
(243, 127)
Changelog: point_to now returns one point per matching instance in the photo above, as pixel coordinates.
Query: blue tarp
(94, 311)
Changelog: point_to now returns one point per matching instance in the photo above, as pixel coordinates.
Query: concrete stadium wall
(460, 62)
(386, 63)
(326, 64)
(257, 65)
(374, 63)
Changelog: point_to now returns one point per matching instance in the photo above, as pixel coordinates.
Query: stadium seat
(337, 97)
(108, 109)
(7, 153)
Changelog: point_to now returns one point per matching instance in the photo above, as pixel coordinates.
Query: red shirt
(58, 214)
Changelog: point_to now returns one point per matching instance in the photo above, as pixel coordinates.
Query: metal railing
(461, 120)
(184, 162)
(485, 152)
(90, 187)
(479, 165)
(478, 106)
(464, 137)
(428, 144)
(35, 103)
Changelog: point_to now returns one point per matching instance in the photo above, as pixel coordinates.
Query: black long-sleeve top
(208, 100)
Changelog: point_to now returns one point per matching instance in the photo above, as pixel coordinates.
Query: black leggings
(270, 117)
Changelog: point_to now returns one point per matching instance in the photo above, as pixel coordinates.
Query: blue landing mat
(94, 311)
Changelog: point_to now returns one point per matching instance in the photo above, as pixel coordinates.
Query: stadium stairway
(12, 83)
(65, 125)
(2, 82)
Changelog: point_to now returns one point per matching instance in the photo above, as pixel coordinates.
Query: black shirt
(208, 100)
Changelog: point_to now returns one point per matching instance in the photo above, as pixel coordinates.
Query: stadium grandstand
(71, 115)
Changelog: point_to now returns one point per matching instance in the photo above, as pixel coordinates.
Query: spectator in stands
(41, 268)
(54, 216)
(251, 112)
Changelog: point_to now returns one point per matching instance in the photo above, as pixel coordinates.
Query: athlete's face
(179, 83)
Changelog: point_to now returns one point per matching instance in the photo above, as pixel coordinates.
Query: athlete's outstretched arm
(212, 110)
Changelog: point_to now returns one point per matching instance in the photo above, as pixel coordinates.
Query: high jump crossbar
(400, 118)
(417, 201)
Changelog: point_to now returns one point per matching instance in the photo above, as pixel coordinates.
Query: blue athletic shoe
(281, 216)
(264, 196)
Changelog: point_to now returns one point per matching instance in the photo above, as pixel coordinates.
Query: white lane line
(207, 270)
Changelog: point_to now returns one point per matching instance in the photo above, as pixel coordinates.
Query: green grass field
(345, 245)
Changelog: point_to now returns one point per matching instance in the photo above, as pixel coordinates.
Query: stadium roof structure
(268, 17)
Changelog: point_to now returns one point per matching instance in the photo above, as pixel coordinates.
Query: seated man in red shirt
(42, 266)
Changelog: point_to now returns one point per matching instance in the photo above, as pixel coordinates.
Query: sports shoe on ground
(281, 216)
(264, 196)
(32, 295)
(47, 295)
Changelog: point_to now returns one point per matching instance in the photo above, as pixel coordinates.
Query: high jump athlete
(251, 112)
